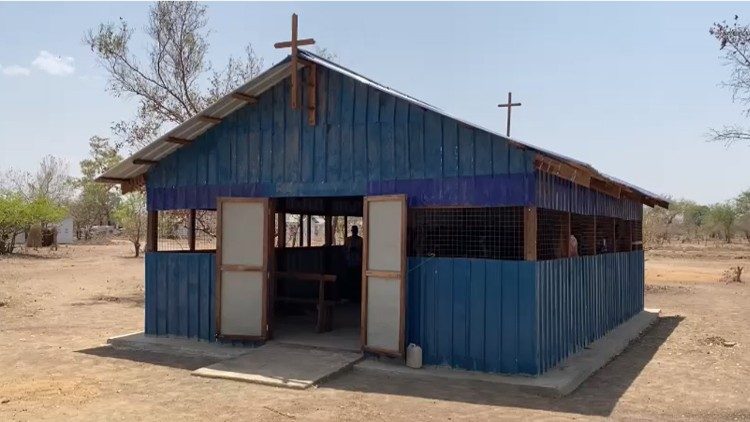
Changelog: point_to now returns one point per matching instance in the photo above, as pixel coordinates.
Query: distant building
(65, 233)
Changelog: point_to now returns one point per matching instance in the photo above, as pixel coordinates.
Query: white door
(242, 251)
(384, 264)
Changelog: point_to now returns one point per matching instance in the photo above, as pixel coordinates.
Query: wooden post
(191, 230)
(152, 231)
(299, 230)
(282, 230)
(614, 235)
(529, 233)
(567, 235)
(328, 230)
(312, 83)
(629, 229)
(593, 237)
(309, 230)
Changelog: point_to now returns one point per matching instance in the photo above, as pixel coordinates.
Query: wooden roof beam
(181, 141)
(143, 162)
(112, 179)
(606, 188)
(210, 119)
(244, 97)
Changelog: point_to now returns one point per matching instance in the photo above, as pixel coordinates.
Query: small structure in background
(65, 231)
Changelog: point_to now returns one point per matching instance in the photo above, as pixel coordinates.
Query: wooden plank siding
(366, 142)
(180, 295)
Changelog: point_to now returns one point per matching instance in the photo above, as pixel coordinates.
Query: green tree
(18, 214)
(742, 204)
(95, 201)
(13, 220)
(131, 215)
(177, 81)
(723, 216)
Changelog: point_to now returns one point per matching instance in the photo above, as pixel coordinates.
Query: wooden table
(325, 307)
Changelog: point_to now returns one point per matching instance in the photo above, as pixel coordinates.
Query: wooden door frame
(263, 268)
(384, 274)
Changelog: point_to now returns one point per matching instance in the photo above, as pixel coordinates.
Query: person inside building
(353, 249)
(572, 246)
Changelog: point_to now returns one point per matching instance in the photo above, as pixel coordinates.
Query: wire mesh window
(583, 228)
(552, 238)
(173, 229)
(317, 232)
(622, 235)
(636, 229)
(490, 233)
(294, 230)
(605, 234)
(205, 230)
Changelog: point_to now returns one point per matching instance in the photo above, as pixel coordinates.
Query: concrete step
(282, 366)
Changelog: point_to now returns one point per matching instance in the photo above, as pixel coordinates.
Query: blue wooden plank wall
(555, 193)
(581, 299)
(474, 314)
(180, 294)
(365, 142)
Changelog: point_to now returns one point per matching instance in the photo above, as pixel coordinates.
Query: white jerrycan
(414, 356)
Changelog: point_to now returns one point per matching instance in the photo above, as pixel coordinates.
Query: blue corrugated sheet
(484, 315)
(363, 139)
(581, 299)
(555, 193)
(180, 294)
(515, 316)
(474, 314)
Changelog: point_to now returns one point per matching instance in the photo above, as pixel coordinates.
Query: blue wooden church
(491, 254)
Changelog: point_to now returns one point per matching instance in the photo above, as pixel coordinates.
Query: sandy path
(60, 310)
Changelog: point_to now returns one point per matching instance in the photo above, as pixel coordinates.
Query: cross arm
(509, 105)
(285, 44)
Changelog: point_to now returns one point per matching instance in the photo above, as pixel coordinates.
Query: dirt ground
(57, 310)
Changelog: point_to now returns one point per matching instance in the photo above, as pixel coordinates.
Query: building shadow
(189, 363)
(597, 396)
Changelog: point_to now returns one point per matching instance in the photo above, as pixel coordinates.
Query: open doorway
(316, 284)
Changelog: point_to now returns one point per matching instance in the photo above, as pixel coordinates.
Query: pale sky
(630, 88)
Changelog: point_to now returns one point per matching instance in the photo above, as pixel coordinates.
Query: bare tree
(50, 181)
(326, 54)
(177, 81)
(131, 214)
(734, 41)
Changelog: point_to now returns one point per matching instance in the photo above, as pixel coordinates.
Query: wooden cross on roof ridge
(294, 43)
(510, 104)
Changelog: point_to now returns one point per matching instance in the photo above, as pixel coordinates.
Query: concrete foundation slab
(559, 381)
(282, 366)
(176, 346)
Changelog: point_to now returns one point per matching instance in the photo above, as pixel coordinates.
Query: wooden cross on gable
(294, 43)
(510, 104)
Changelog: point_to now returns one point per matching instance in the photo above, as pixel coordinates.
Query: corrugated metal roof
(195, 126)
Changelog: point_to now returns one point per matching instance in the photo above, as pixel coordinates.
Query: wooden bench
(325, 307)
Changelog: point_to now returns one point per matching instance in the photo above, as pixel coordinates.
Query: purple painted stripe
(503, 190)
